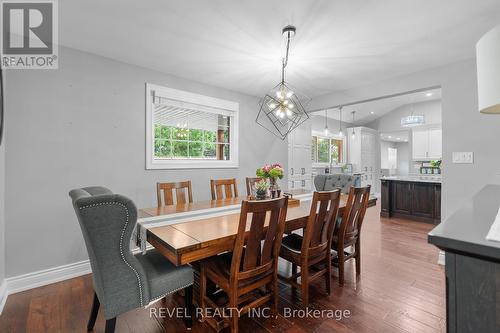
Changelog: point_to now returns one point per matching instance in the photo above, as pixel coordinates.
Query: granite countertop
(465, 230)
(422, 179)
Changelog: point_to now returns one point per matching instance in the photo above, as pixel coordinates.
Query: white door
(435, 143)
(420, 144)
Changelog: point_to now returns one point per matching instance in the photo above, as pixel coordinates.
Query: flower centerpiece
(273, 172)
(261, 189)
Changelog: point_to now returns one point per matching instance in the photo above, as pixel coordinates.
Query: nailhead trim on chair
(121, 239)
(170, 292)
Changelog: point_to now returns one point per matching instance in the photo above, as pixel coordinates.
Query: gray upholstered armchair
(123, 281)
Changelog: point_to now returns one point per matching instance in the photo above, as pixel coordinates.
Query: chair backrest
(251, 256)
(321, 223)
(336, 181)
(168, 193)
(230, 188)
(250, 181)
(107, 222)
(353, 216)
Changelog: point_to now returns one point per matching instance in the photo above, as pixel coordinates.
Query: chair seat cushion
(221, 266)
(292, 242)
(163, 276)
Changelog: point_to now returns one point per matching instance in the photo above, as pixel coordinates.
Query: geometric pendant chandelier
(282, 109)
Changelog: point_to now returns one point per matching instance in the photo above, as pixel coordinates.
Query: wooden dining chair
(250, 181)
(248, 275)
(168, 193)
(230, 188)
(312, 251)
(346, 242)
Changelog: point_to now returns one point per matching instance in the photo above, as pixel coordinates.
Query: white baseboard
(441, 258)
(3, 294)
(32, 280)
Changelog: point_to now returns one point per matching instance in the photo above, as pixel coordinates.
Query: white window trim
(227, 107)
(321, 135)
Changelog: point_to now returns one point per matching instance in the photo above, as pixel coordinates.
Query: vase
(273, 184)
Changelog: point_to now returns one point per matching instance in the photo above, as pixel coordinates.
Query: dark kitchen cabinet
(416, 200)
(401, 198)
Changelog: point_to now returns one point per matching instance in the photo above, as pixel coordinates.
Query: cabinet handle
(303, 171)
(303, 183)
(293, 184)
(291, 171)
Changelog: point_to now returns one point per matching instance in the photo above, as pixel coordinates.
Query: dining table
(204, 229)
(188, 233)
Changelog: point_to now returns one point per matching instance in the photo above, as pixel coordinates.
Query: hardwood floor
(401, 289)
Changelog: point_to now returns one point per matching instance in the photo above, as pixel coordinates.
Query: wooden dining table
(200, 238)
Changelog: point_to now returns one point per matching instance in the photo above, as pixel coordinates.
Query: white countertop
(423, 179)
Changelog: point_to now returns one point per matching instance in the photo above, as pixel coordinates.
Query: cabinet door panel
(401, 200)
(423, 200)
(420, 144)
(435, 143)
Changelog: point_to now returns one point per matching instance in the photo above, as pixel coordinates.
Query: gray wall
(2, 211)
(82, 125)
(404, 158)
(464, 128)
(392, 121)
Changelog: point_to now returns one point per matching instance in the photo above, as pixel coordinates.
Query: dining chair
(230, 188)
(248, 275)
(123, 281)
(311, 252)
(250, 181)
(346, 242)
(168, 193)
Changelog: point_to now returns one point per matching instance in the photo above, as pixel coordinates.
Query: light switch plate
(460, 157)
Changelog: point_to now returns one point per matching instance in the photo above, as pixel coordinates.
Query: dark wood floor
(401, 289)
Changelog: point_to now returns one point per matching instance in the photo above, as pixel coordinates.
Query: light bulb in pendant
(326, 130)
(353, 135)
(282, 114)
(341, 134)
(289, 113)
(289, 94)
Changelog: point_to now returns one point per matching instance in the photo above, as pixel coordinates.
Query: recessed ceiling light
(398, 139)
(429, 94)
(389, 137)
(371, 112)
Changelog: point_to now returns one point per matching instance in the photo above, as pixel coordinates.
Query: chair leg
(304, 283)
(274, 306)
(233, 304)
(188, 303)
(328, 275)
(341, 267)
(358, 257)
(203, 291)
(93, 313)
(294, 271)
(110, 325)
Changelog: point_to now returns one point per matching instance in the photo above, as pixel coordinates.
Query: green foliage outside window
(181, 142)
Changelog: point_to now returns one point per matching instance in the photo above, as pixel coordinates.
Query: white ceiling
(236, 44)
(368, 112)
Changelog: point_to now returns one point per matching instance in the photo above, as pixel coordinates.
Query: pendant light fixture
(340, 122)
(353, 135)
(281, 109)
(326, 122)
(412, 120)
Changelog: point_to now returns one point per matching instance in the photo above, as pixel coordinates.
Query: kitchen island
(472, 264)
(413, 197)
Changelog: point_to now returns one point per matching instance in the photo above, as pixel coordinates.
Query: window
(187, 130)
(327, 150)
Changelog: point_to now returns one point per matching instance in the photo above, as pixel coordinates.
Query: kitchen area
(393, 143)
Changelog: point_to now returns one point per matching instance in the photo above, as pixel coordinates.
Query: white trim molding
(441, 258)
(44, 277)
(3, 294)
(201, 103)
